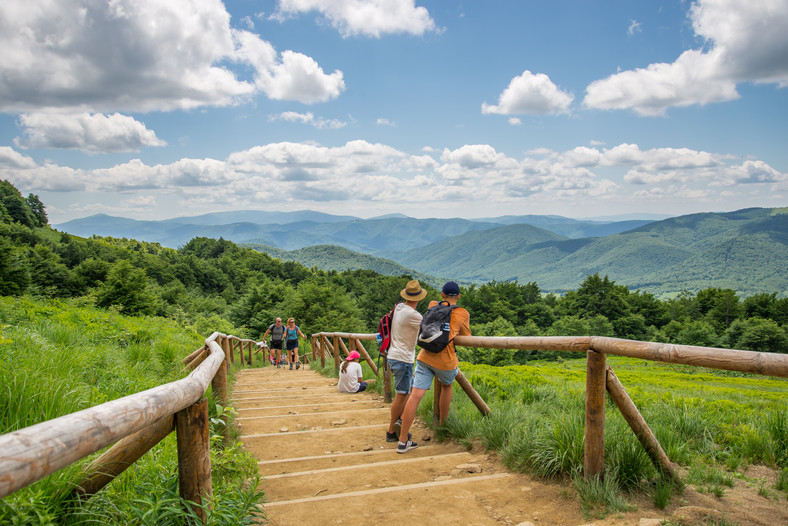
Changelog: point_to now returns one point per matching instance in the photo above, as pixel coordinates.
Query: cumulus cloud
(11, 159)
(96, 56)
(744, 41)
(471, 175)
(308, 118)
(91, 133)
(371, 18)
(530, 93)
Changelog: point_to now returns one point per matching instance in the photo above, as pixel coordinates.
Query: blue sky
(151, 110)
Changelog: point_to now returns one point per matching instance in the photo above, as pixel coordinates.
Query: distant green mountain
(331, 257)
(293, 230)
(745, 250)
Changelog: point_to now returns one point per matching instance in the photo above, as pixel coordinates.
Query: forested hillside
(213, 284)
(745, 250)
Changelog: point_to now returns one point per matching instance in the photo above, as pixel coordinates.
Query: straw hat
(413, 291)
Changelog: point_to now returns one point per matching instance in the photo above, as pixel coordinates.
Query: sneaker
(398, 427)
(404, 448)
(298, 365)
(394, 437)
(291, 366)
(277, 365)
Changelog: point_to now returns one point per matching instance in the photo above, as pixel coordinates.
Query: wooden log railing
(600, 378)
(134, 424)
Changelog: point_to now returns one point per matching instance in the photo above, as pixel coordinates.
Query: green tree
(697, 332)
(597, 297)
(127, 288)
(756, 334)
(719, 306)
(13, 207)
(38, 210)
(14, 269)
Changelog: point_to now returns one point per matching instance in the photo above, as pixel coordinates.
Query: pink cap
(353, 355)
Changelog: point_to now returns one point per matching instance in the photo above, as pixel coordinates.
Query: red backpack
(384, 332)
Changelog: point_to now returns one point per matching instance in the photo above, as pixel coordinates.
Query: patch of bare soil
(324, 460)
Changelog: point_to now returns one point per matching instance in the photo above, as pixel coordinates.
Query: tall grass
(699, 417)
(57, 358)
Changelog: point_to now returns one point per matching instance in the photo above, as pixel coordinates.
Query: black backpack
(435, 327)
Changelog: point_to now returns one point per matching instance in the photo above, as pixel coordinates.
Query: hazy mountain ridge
(332, 257)
(746, 250)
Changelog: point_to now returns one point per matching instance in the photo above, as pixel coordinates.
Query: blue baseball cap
(451, 289)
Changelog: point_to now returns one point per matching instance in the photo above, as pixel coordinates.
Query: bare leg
(397, 406)
(409, 413)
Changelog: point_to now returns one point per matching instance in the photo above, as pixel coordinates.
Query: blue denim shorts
(403, 376)
(362, 387)
(425, 373)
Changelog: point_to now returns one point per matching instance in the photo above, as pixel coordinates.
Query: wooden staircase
(325, 460)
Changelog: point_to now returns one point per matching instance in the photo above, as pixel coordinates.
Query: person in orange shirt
(443, 365)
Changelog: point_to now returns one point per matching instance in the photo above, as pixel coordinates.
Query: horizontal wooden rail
(32, 453)
(769, 364)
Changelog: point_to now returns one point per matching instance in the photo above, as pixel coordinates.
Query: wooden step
(389, 471)
(303, 422)
(467, 500)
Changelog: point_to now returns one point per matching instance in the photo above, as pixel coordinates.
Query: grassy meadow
(713, 423)
(58, 357)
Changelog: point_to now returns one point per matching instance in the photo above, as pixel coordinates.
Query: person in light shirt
(405, 323)
(350, 375)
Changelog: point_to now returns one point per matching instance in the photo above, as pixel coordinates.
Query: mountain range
(746, 250)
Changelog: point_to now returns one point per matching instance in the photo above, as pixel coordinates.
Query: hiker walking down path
(277, 331)
(292, 332)
(443, 365)
(401, 354)
(350, 375)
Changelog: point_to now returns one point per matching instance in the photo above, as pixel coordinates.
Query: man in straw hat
(405, 323)
(442, 365)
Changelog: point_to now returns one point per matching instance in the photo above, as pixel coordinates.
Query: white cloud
(96, 56)
(745, 41)
(91, 133)
(471, 176)
(634, 27)
(10, 158)
(514, 121)
(385, 122)
(371, 18)
(530, 94)
(308, 118)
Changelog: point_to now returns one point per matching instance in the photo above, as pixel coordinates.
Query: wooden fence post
(335, 350)
(594, 455)
(640, 427)
(477, 400)
(363, 352)
(194, 456)
(219, 388)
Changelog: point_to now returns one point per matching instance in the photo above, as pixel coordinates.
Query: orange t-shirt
(446, 360)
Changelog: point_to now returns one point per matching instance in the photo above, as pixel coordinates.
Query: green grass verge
(60, 357)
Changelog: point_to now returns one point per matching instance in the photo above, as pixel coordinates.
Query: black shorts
(292, 344)
(276, 344)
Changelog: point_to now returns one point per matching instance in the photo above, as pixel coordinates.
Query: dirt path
(325, 460)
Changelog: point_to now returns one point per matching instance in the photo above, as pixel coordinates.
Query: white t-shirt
(348, 380)
(404, 331)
